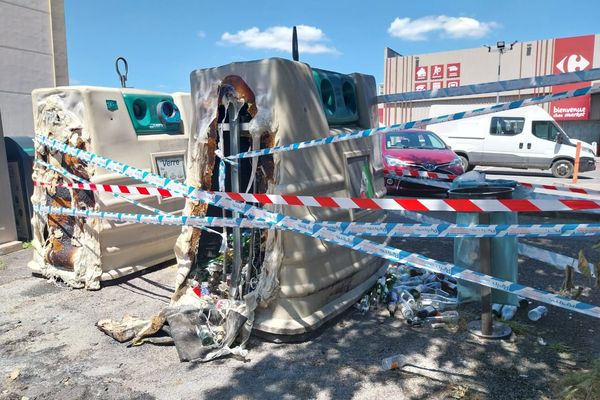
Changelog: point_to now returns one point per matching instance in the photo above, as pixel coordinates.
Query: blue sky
(165, 40)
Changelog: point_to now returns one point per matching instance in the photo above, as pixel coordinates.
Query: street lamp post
(501, 49)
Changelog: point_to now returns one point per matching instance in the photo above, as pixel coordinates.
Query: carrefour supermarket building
(579, 117)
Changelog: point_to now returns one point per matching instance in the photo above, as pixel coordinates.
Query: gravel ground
(50, 348)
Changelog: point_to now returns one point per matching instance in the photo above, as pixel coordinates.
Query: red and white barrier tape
(439, 176)
(410, 204)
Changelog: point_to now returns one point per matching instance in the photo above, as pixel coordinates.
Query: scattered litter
(14, 374)
(508, 312)
(523, 302)
(461, 392)
(393, 362)
(497, 310)
(541, 341)
(418, 297)
(537, 313)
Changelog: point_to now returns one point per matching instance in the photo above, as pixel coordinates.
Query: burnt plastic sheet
(185, 325)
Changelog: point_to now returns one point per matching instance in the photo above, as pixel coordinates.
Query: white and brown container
(136, 127)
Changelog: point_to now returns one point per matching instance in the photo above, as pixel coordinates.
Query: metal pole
(295, 54)
(499, 63)
(486, 327)
(485, 267)
(234, 148)
(576, 167)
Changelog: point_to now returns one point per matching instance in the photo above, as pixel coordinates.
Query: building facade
(33, 54)
(580, 117)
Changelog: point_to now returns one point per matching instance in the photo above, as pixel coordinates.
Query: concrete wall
(32, 55)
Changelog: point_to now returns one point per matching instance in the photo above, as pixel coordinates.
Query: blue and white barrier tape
(342, 137)
(352, 228)
(419, 181)
(318, 231)
(173, 220)
(560, 261)
(468, 231)
(494, 87)
(557, 260)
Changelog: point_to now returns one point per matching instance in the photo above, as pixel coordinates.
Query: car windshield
(413, 140)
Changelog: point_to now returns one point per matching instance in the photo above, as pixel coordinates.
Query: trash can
(503, 250)
(19, 154)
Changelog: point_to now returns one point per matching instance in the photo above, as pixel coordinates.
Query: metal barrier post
(234, 148)
(486, 327)
(485, 267)
(576, 167)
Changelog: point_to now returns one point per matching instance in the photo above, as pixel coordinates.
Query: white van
(526, 137)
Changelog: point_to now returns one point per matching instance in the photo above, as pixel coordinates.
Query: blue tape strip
(417, 124)
(361, 228)
(493, 87)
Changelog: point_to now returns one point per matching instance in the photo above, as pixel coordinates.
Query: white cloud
(201, 34)
(454, 27)
(310, 39)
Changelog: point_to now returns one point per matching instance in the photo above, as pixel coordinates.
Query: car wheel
(464, 161)
(562, 169)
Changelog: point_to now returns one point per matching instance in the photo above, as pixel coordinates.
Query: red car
(420, 150)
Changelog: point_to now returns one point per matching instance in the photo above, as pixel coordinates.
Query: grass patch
(581, 385)
(519, 328)
(2, 265)
(27, 245)
(463, 392)
(560, 347)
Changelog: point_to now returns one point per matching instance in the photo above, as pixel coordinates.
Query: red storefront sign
(421, 73)
(570, 55)
(453, 70)
(435, 85)
(420, 86)
(437, 71)
(453, 83)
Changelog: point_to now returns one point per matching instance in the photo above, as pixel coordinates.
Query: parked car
(526, 137)
(420, 150)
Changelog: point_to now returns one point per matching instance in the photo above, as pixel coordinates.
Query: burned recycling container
(19, 154)
(293, 282)
(144, 129)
